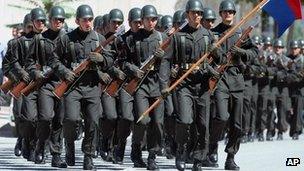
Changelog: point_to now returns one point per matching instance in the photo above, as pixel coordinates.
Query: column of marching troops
(188, 124)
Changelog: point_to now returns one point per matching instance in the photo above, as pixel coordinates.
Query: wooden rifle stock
(134, 83)
(83, 66)
(221, 69)
(7, 86)
(16, 91)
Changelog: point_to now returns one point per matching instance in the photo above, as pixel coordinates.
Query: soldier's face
(278, 50)
(227, 16)
(114, 25)
(135, 25)
(295, 51)
(194, 17)
(85, 24)
(28, 28)
(39, 25)
(208, 24)
(149, 23)
(57, 23)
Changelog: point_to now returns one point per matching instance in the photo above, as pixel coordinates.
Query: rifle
(7, 86)
(16, 91)
(203, 58)
(222, 68)
(62, 87)
(132, 86)
(116, 84)
(36, 84)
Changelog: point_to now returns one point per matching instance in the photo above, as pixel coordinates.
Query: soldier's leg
(169, 125)
(296, 122)
(141, 104)
(202, 123)
(124, 124)
(219, 121)
(246, 113)
(17, 114)
(70, 124)
(108, 124)
(91, 108)
(253, 112)
(282, 111)
(46, 105)
(155, 133)
(184, 119)
(28, 123)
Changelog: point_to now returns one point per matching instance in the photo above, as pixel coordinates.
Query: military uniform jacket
(233, 76)
(41, 48)
(145, 43)
(186, 47)
(279, 69)
(295, 79)
(6, 63)
(73, 48)
(20, 53)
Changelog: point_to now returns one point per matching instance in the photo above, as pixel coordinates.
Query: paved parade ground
(257, 156)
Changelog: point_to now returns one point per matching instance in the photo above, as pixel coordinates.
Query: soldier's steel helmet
(148, 11)
(227, 5)
(256, 39)
(37, 14)
(209, 14)
(294, 44)
(278, 43)
(177, 16)
(194, 5)
(27, 20)
(134, 14)
(57, 12)
(116, 15)
(98, 21)
(84, 11)
(267, 40)
(166, 21)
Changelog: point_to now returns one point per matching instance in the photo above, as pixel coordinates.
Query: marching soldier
(194, 98)
(264, 93)
(110, 104)
(146, 42)
(84, 97)
(11, 74)
(296, 83)
(209, 18)
(29, 104)
(230, 88)
(50, 109)
(98, 21)
(278, 64)
(126, 101)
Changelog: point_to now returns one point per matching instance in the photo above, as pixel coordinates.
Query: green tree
(47, 5)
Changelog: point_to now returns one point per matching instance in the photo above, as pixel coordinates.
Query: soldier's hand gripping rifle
(205, 56)
(36, 84)
(83, 66)
(132, 86)
(7, 86)
(116, 84)
(221, 68)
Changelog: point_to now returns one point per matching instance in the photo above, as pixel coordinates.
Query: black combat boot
(295, 136)
(208, 163)
(180, 162)
(70, 153)
(269, 137)
(40, 153)
(88, 163)
(119, 152)
(58, 162)
(197, 165)
(260, 137)
(250, 137)
(136, 156)
(280, 136)
(151, 161)
(18, 147)
(230, 164)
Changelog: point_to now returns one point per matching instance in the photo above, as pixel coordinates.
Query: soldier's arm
(56, 61)
(165, 66)
(251, 50)
(107, 54)
(30, 63)
(6, 63)
(17, 56)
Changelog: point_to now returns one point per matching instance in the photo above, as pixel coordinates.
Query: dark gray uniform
(229, 94)
(50, 109)
(193, 96)
(29, 104)
(145, 43)
(84, 97)
(296, 84)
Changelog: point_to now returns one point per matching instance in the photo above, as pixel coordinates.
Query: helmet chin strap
(36, 29)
